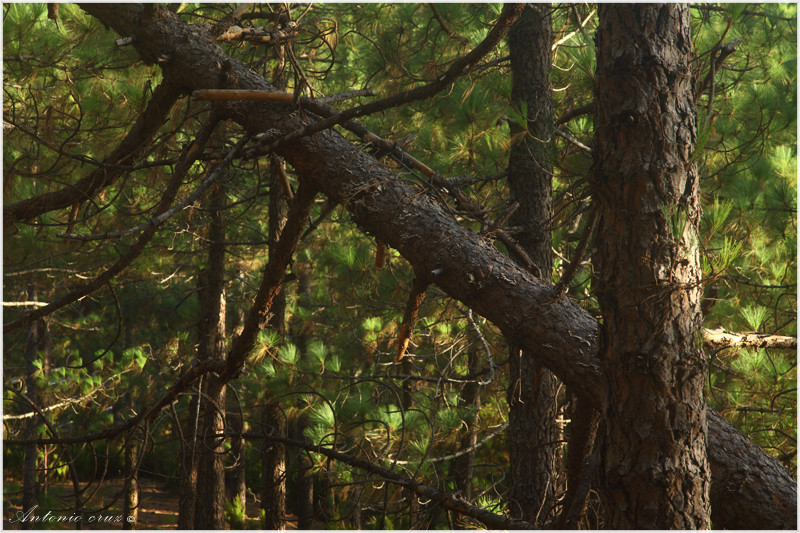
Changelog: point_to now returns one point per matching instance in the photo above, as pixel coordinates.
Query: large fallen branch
(463, 264)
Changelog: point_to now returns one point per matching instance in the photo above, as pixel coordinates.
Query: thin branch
(133, 252)
(509, 14)
(581, 28)
(485, 345)
(146, 126)
(497, 431)
(446, 500)
(216, 173)
(68, 402)
(585, 109)
(25, 304)
(573, 140)
(181, 384)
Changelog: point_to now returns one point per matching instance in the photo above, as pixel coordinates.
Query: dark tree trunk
(305, 493)
(464, 466)
(654, 470)
(130, 465)
(532, 428)
(235, 482)
(210, 508)
(187, 497)
(273, 469)
(32, 345)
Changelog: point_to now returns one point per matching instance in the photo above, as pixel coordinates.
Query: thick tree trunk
(532, 428)
(463, 264)
(654, 470)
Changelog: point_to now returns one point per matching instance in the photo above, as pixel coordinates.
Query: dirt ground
(158, 508)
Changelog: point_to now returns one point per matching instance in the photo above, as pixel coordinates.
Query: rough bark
(532, 428)
(654, 470)
(471, 269)
(736, 499)
(130, 504)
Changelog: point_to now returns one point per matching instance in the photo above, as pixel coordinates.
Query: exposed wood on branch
(719, 338)
(415, 299)
(25, 304)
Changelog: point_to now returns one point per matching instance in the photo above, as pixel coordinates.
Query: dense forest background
(117, 304)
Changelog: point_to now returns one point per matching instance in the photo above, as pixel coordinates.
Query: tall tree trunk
(187, 496)
(273, 469)
(305, 493)
(464, 466)
(32, 345)
(130, 465)
(235, 481)
(532, 428)
(210, 508)
(654, 470)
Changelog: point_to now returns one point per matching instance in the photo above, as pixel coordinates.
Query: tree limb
(446, 500)
(146, 126)
(136, 249)
(719, 338)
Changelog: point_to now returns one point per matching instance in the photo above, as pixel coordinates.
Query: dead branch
(719, 338)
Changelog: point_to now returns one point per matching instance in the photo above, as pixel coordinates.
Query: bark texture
(532, 429)
(736, 499)
(473, 271)
(210, 508)
(655, 473)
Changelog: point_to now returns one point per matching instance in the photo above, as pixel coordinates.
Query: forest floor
(158, 507)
